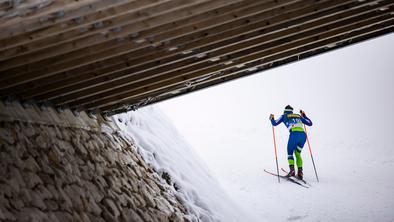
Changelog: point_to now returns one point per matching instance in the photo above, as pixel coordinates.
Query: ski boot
(291, 172)
(300, 174)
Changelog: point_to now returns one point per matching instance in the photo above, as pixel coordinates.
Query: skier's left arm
(305, 120)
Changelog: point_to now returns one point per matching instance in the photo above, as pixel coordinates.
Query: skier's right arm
(276, 122)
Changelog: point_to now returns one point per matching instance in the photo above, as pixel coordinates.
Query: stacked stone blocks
(72, 173)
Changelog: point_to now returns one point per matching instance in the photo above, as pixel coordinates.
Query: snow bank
(166, 150)
(347, 93)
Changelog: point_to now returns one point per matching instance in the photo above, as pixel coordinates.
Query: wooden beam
(107, 13)
(95, 52)
(232, 32)
(241, 57)
(35, 75)
(222, 56)
(182, 89)
(222, 52)
(164, 55)
(13, 11)
(95, 33)
(57, 11)
(168, 81)
(351, 38)
(137, 59)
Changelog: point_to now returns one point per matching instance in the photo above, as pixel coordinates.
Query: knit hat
(289, 109)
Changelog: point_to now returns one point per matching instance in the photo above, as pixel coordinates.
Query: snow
(347, 93)
(166, 150)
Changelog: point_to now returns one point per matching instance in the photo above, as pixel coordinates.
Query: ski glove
(271, 116)
(302, 113)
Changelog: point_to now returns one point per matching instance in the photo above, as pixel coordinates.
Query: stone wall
(76, 172)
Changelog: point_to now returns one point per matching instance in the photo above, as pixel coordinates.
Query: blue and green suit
(297, 138)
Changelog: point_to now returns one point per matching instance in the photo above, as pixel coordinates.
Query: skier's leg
(291, 145)
(300, 173)
(297, 153)
(299, 162)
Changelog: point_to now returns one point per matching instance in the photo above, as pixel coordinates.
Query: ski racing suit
(297, 138)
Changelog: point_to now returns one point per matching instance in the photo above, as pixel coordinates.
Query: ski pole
(310, 151)
(276, 155)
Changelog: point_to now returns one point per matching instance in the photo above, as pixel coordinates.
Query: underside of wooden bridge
(111, 56)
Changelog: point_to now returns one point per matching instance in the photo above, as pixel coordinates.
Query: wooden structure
(110, 56)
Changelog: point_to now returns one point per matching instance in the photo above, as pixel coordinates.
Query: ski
(287, 178)
(296, 178)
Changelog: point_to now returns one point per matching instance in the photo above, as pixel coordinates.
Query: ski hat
(288, 109)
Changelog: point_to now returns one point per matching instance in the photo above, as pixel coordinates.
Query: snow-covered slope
(166, 150)
(347, 93)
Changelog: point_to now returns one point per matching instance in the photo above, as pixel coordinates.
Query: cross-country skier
(297, 138)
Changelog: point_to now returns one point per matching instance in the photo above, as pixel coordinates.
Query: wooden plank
(181, 90)
(96, 51)
(146, 66)
(212, 47)
(12, 11)
(107, 13)
(265, 37)
(22, 79)
(257, 25)
(148, 86)
(58, 11)
(42, 72)
(238, 58)
(100, 31)
(156, 57)
(369, 32)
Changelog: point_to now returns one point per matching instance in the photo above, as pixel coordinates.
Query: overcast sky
(348, 94)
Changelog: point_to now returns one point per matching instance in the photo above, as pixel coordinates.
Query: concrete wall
(59, 167)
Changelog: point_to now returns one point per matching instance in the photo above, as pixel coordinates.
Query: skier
(297, 138)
